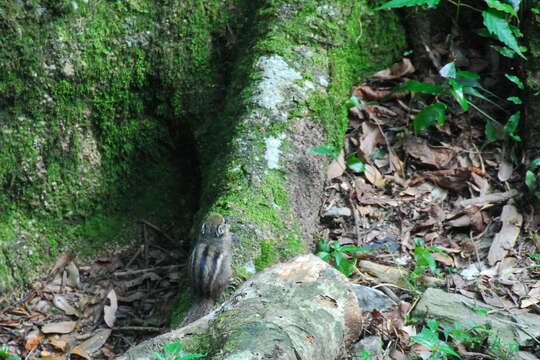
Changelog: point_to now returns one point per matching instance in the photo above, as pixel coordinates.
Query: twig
(140, 328)
(157, 229)
(134, 257)
(140, 271)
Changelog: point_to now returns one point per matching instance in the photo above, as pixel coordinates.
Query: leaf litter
(444, 184)
(94, 311)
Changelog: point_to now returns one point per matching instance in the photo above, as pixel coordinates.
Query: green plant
(530, 177)
(471, 335)
(429, 337)
(6, 355)
(173, 351)
(498, 18)
(535, 257)
(364, 355)
(352, 161)
(423, 261)
(325, 150)
(336, 253)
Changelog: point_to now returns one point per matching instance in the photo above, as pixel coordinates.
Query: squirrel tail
(200, 307)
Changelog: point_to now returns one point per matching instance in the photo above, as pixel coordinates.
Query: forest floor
(413, 202)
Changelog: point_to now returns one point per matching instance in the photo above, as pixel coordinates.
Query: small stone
(370, 344)
(337, 212)
(370, 299)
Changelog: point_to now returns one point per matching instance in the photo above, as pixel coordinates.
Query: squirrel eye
(220, 230)
(203, 229)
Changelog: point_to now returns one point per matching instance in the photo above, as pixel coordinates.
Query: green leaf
(323, 255)
(364, 354)
(497, 5)
(324, 150)
(515, 4)
(504, 51)
(482, 312)
(420, 87)
(343, 265)
(468, 79)
(173, 348)
(424, 259)
(534, 164)
(513, 346)
(516, 31)
(468, 75)
(457, 93)
(158, 356)
(429, 115)
(515, 80)
(404, 3)
(497, 25)
(515, 100)
(536, 10)
(530, 180)
(430, 339)
(535, 257)
(448, 70)
(190, 356)
(350, 248)
(356, 102)
(355, 164)
(511, 126)
(491, 132)
(323, 245)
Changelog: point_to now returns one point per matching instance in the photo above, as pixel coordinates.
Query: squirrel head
(214, 226)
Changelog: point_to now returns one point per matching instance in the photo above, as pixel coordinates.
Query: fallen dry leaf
(62, 303)
(533, 297)
(80, 351)
(371, 137)
(46, 355)
(455, 179)
(33, 339)
(73, 278)
(61, 327)
(369, 94)
(439, 157)
(97, 340)
(374, 176)
(396, 71)
(506, 238)
(337, 167)
(109, 311)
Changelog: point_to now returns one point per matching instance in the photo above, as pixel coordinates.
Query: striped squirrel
(209, 266)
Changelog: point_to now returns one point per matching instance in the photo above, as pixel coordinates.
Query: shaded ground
(107, 306)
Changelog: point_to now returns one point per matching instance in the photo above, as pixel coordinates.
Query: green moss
(92, 94)
(267, 257)
(182, 303)
(200, 343)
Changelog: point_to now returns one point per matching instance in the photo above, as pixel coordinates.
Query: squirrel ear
(221, 229)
